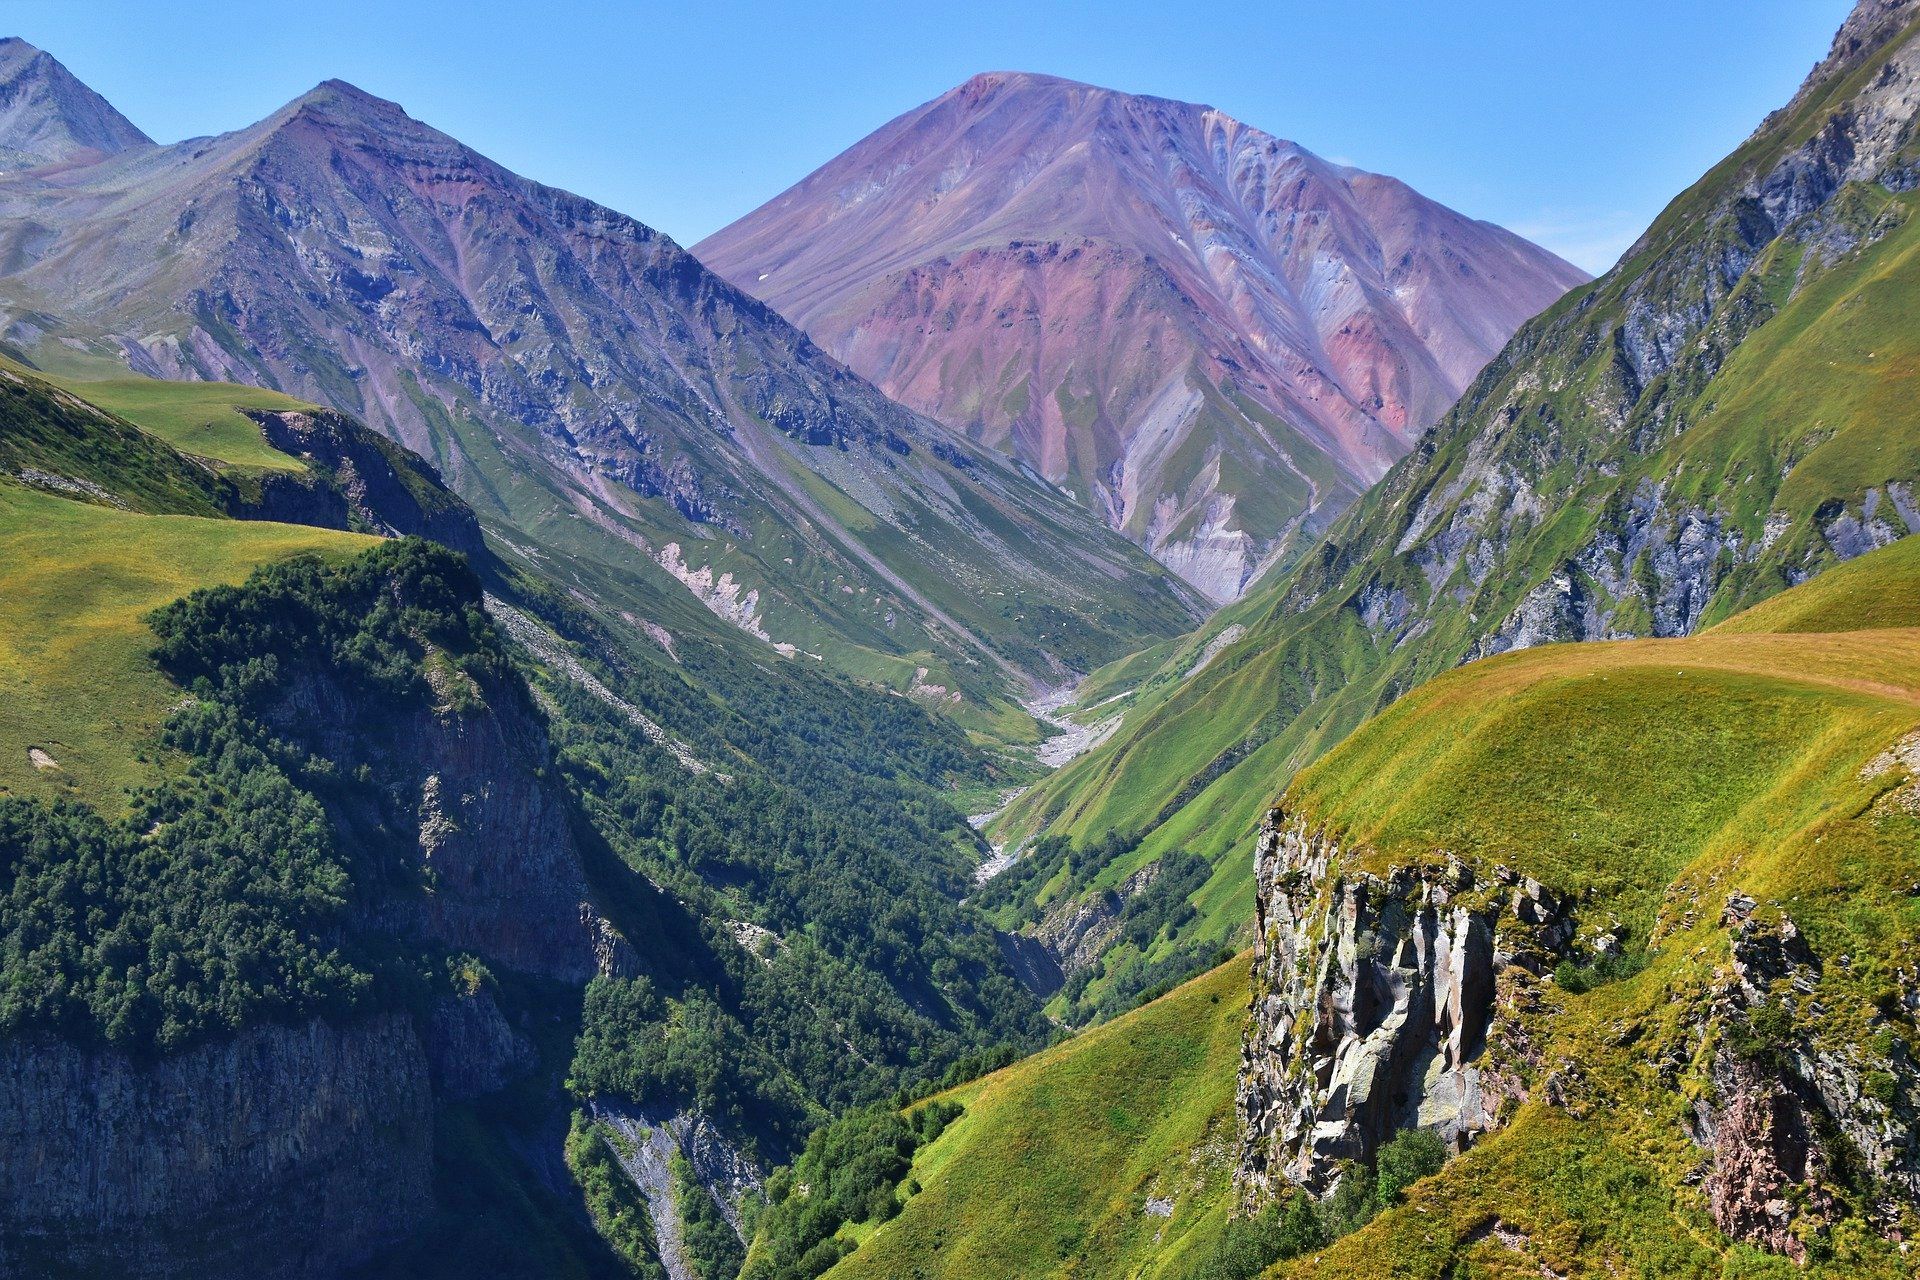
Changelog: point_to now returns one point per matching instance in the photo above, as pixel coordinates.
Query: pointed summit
(46, 115)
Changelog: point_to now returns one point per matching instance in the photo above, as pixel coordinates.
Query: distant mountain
(581, 380)
(1211, 336)
(46, 115)
(1725, 414)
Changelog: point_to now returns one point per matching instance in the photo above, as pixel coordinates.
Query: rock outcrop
(1381, 1003)
(1793, 1122)
(460, 793)
(649, 1137)
(365, 482)
(1078, 931)
(286, 1153)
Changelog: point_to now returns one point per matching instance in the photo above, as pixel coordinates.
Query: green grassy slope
(1049, 1171)
(1649, 779)
(201, 418)
(1561, 483)
(77, 680)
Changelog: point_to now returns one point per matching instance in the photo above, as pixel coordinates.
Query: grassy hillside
(1602, 478)
(200, 418)
(1647, 779)
(1654, 778)
(1050, 1169)
(77, 679)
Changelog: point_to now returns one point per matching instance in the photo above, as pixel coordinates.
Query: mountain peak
(980, 88)
(1071, 241)
(342, 97)
(47, 115)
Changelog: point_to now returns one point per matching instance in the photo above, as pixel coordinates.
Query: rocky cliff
(365, 482)
(1382, 1003)
(286, 1153)
(1792, 1124)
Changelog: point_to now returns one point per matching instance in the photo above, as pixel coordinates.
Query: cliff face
(460, 794)
(1381, 1004)
(1789, 1127)
(370, 483)
(286, 1153)
(298, 1151)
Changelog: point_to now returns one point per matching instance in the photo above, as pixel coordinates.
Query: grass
(76, 584)
(1649, 780)
(200, 418)
(1049, 1170)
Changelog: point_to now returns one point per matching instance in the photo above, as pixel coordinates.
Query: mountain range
(580, 378)
(526, 833)
(1210, 336)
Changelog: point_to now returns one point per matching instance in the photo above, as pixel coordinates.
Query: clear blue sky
(1571, 121)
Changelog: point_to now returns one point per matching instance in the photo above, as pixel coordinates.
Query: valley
(1086, 692)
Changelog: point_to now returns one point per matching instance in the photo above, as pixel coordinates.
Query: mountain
(1574, 961)
(585, 383)
(47, 116)
(1213, 337)
(1724, 414)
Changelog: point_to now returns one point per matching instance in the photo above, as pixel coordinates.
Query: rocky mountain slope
(582, 381)
(1211, 336)
(1725, 414)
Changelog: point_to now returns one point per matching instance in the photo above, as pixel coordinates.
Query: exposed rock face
(374, 484)
(1078, 931)
(491, 836)
(1380, 1004)
(287, 1153)
(1176, 316)
(1789, 1121)
(650, 1138)
(472, 1048)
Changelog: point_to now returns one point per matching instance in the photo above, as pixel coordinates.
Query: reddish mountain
(1207, 334)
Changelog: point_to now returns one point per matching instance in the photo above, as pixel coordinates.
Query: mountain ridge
(582, 380)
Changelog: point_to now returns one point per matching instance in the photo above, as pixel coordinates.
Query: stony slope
(1210, 335)
(580, 378)
(1726, 413)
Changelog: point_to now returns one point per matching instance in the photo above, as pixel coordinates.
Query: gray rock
(1374, 1000)
(286, 1153)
